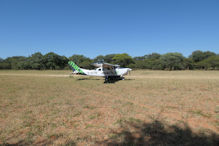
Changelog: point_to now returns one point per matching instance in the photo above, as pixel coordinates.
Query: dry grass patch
(37, 108)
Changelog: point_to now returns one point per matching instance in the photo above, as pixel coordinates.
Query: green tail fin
(75, 67)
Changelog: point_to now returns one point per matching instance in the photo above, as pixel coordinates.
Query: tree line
(170, 61)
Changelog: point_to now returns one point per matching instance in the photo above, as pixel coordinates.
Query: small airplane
(109, 71)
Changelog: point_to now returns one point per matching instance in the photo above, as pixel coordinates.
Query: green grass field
(149, 108)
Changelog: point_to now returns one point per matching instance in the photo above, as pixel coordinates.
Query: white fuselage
(105, 72)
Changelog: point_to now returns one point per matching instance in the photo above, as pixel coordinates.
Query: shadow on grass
(111, 81)
(108, 81)
(116, 80)
(158, 133)
(88, 79)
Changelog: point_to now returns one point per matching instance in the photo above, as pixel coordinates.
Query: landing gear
(112, 79)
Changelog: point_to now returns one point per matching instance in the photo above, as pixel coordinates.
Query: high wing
(107, 65)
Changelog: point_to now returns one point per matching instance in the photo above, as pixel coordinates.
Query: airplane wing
(96, 64)
(107, 65)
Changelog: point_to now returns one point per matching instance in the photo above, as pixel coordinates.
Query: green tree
(139, 58)
(109, 58)
(81, 61)
(139, 64)
(123, 59)
(210, 63)
(98, 58)
(4, 64)
(208, 54)
(188, 63)
(53, 61)
(36, 61)
(172, 61)
(199, 55)
(153, 56)
(78, 59)
(15, 62)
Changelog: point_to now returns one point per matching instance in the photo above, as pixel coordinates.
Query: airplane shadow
(80, 79)
(135, 133)
(105, 82)
(114, 81)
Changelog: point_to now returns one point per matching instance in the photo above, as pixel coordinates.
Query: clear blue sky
(94, 27)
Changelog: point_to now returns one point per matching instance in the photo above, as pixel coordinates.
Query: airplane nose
(129, 71)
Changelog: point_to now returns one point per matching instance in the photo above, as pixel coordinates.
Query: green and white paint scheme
(75, 67)
(109, 71)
